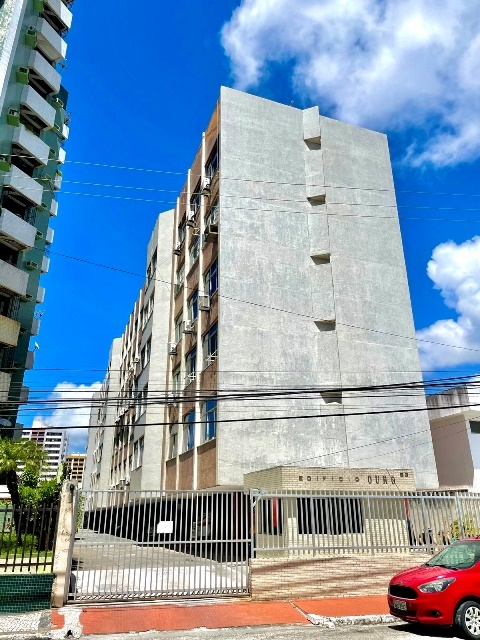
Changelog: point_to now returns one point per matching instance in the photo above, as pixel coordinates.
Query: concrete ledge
(349, 621)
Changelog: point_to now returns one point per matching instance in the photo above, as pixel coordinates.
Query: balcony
(40, 295)
(35, 327)
(27, 187)
(31, 144)
(49, 42)
(41, 72)
(12, 279)
(45, 264)
(61, 155)
(17, 233)
(36, 109)
(24, 393)
(53, 209)
(57, 182)
(30, 360)
(9, 330)
(65, 132)
(58, 13)
(49, 236)
(5, 379)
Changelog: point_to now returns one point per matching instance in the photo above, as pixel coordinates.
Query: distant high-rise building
(75, 467)
(33, 129)
(55, 443)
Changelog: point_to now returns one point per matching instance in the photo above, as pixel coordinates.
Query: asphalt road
(293, 632)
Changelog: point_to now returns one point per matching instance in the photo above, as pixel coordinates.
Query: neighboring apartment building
(33, 128)
(75, 467)
(288, 273)
(455, 426)
(132, 451)
(55, 443)
(103, 413)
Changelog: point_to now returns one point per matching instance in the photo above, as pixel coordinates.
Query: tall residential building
(288, 274)
(75, 467)
(33, 128)
(132, 452)
(55, 443)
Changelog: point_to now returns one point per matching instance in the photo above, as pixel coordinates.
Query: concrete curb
(348, 621)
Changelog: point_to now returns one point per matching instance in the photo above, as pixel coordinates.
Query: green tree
(13, 455)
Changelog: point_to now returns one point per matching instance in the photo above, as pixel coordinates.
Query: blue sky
(142, 85)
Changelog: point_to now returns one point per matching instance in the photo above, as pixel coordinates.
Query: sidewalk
(191, 614)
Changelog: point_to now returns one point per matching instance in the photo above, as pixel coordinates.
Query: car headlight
(436, 585)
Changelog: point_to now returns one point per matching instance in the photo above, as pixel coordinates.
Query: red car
(443, 591)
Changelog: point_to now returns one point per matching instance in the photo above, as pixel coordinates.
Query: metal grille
(27, 538)
(293, 524)
(154, 544)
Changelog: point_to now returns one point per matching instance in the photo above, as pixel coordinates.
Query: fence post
(460, 516)
(65, 536)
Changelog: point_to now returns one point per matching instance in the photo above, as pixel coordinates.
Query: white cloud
(70, 408)
(455, 271)
(378, 63)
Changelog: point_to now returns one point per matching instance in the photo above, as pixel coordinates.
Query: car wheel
(468, 617)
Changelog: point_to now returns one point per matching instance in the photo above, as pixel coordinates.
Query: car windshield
(461, 555)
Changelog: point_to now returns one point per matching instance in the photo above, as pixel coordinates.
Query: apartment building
(103, 415)
(33, 129)
(289, 273)
(132, 451)
(75, 467)
(55, 443)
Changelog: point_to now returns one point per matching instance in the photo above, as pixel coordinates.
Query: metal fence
(293, 524)
(161, 544)
(27, 538)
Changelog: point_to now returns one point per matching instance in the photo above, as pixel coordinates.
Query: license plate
(400, 604)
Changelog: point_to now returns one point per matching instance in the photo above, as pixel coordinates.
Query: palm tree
(13, 455)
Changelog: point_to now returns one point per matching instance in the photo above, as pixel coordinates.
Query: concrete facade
(312, 292)
(129, 455)
(455, 426)
(32, 119)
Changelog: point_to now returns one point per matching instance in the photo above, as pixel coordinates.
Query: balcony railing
(24, 185)
(31, 144)
(50, 42)
(41, 68)
(12, 279)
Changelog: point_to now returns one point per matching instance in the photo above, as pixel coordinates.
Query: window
(194, 249)
(173, 446)
(190, 364)
(142, 401)
(178, 328)
(181, 275)
(146, 353)
(193, 306)
(210, 345)
(152, 267)
(212, 215)
(147, 309)
(182, 230)
(209, 420)
(211, 278)
(196, 199)
(333, 516)
(141, 446)
(176, 379)
(189, 431)
(211, 165)
(135, 455)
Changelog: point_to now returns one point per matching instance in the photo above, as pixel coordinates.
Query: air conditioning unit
(122, 482)
(176, 288)
(127, 481)
(191, 218)
(172, 349)
(188, 326)
(112, 486)
(204, 303)
(207, 183)
(136, 360)
(58, 103)
(4, 162)
(211, 233)
(190, 377)
(13, 117)
(171, 400)
(30, 264)
(28, 297)
(177, 247)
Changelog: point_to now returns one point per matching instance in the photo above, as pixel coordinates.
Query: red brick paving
(338, 607)
(119, 619)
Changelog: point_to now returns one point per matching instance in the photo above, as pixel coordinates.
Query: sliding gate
(160, 544)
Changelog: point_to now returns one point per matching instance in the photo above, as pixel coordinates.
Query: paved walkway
(192, 614)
